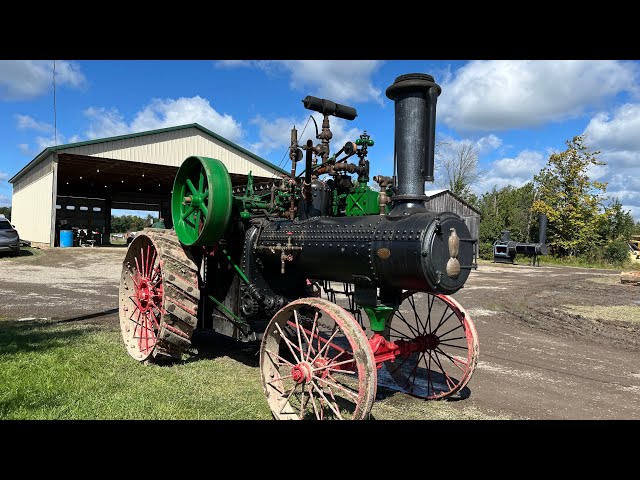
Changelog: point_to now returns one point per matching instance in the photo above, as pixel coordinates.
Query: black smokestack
(415, 96)
(542, 231)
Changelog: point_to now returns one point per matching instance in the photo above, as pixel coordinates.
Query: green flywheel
(201, 202)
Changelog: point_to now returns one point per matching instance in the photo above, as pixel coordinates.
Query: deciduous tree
(571, 200)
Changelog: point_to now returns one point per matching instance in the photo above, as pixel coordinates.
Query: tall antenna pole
(55, 126)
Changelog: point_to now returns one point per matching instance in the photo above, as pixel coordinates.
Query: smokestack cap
(411, 82)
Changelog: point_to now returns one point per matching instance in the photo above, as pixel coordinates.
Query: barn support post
(106, 240)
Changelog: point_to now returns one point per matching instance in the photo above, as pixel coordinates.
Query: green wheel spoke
(205, 193)
(201, 182)
(205, 211)
(191, 187)
(187, 213)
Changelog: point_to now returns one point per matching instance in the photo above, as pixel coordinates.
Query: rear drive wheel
(159, 296)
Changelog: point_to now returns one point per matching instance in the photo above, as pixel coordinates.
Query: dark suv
(9, 238)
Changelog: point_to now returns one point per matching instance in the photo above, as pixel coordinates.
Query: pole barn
(79, 183)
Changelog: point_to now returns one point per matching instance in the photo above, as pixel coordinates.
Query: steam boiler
(254, 262)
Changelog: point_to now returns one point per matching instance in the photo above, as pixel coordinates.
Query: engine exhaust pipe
(542, 232)
(415, 96)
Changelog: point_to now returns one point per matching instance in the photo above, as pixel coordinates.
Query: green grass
(50, 371)
(579, 262)
(626, 313)
(572, 262)
(82, 371)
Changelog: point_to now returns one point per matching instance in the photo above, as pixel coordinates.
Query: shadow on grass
(211, 345)
(89, 316)
(23, 253)
(19, 337)
(27, 405)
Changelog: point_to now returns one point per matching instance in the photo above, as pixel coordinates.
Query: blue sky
(517, 112)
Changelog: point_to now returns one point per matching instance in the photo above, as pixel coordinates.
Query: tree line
(130, 223)
(583, 221)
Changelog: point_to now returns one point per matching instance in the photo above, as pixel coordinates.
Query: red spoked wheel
(448, 342)
(159, 294)
(145, 298)
(316, 363)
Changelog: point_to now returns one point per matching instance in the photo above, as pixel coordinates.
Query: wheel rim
(142, 296)
(201, 201)
(449, 347)
(316, 363)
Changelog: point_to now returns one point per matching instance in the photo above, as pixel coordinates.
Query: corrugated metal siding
(172, 148)
(448, 203)
(43, 168)
(31, 209)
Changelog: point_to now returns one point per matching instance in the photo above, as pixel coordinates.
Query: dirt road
(555, 342)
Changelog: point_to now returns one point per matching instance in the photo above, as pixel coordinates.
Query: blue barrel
(66, 238)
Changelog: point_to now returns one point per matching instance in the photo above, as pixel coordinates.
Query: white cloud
(513, 172)
(105, 123)
(484, 144)
(337, 80)
(3, 176)
(488, 143)
(26, 79)
(25, 122)
(5, 200)
(161, 113)
(617, 136)
(275, 134)
(503, 94)
(50, 141)
(620, 132)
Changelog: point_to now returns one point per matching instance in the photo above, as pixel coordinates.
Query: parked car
(9, 238)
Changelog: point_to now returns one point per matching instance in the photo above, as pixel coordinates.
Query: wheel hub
(428, 342)
(302, 373)
(195, 200)
(144, 294)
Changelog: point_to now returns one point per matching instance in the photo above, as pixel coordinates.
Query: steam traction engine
(253, 262)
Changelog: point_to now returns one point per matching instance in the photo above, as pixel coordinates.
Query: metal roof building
(79, 183)
(445, 201)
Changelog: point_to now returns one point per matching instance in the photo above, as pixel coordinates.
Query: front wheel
(449, 346)
(316, 363)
